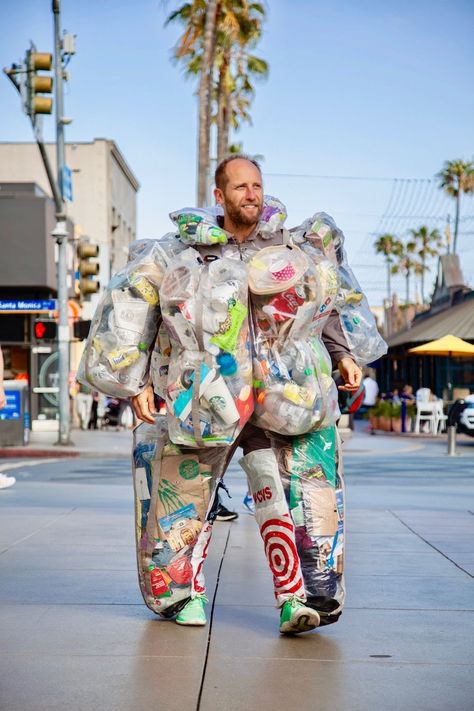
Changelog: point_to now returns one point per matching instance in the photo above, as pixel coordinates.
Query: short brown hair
(220, 176)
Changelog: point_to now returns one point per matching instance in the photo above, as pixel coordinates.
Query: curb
(21, 452)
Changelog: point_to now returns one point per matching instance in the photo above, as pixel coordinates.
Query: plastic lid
(227, 363)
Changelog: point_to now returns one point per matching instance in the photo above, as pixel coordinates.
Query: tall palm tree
(197, 47)
(235, 26)
(426, 243)
(456, 177)
(390, 246)
(242, 28)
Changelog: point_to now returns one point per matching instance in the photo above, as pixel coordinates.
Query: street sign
(27, 306)
(67, 183)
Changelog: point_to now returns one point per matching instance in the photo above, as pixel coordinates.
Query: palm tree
(390, 247)
(455, 178)
(426, 243)
(406, 265)
(242, 28)
(216, 38)
(197, 46)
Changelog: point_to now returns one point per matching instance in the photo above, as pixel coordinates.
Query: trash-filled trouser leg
(311, 473)
(175, 489)
(276, 527)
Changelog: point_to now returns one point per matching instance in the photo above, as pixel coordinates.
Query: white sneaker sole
(303, 620)
(191, 623)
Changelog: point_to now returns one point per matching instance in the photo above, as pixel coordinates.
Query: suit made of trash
(240, 339)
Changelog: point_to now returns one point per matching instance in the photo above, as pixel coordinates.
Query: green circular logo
(217, 402)
(189, 469)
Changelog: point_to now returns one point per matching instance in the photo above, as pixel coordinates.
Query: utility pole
(61, 236)
(31, 86)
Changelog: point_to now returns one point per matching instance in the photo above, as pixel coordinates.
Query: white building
(104, 194)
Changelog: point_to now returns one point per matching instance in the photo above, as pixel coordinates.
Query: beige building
(104, 194)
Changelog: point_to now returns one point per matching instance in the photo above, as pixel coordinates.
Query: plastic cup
(221, 401)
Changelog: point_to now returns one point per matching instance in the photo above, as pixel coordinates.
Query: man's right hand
(144, 405)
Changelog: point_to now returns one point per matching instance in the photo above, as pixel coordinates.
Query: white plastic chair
(427, 412)
(423, 395)
(441, 418)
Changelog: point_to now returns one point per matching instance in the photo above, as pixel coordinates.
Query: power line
(338, 177)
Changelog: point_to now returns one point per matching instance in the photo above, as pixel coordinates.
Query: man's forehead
(241, 170)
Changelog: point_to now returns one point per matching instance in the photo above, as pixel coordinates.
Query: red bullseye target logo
(280, 548)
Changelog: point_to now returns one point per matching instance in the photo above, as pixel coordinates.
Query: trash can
(14, 417)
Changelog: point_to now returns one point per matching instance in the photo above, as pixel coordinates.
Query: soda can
(144, 288)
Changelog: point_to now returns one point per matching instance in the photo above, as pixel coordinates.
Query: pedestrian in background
(5, 481)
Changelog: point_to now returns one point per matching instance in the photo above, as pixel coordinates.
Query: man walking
(239, 191)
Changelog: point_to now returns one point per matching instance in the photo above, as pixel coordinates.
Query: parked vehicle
(461, 415)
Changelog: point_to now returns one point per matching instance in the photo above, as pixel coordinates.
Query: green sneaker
(193, 613)
(296, 617)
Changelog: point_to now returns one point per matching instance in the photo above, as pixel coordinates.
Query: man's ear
(219, 195)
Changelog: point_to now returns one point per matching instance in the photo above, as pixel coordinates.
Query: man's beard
(238, 216)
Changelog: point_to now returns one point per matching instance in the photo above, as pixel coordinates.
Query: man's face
(242, 197)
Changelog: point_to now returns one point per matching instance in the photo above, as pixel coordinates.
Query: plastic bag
(209, 381)
(323, 237)
(123, 330)
(294, 390)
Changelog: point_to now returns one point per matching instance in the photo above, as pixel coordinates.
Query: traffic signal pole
(61, 236)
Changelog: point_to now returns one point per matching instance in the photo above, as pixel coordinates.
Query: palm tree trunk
(422, 281)
(389, 285)
(205, 88)
(456, 219)
(227, 117)
(221, 110)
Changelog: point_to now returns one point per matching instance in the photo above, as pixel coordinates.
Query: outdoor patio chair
(440, 417)
(427, 412)
(423, 395)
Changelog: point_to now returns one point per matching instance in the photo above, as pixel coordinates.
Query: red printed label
(263, 495)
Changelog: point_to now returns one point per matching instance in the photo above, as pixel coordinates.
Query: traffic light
(45, 330)
(37, 84)
(88, 269)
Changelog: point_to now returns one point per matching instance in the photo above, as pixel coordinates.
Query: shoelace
(200, 596)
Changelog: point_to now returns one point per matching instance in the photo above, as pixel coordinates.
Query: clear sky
(357, 91)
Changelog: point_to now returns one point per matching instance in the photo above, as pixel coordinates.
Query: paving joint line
(430, 544)
(213, 604)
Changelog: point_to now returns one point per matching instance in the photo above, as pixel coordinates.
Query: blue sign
(12, 409)
(31, 306)
(66, 183)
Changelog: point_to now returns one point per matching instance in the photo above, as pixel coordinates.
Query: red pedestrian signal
(45, 330)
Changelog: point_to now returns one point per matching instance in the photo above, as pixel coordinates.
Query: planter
(385, 423)
(374, 422)
(396, 424)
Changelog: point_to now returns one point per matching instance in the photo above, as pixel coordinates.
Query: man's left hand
(350, 373)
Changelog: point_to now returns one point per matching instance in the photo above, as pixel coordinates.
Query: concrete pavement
(76, 634)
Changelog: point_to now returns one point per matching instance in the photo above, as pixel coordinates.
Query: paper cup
(282, 270)
(220, 400)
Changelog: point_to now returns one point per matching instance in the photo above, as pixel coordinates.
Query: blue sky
(357, 91)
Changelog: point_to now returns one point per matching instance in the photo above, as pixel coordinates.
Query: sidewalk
(84, 443)
(76, 635)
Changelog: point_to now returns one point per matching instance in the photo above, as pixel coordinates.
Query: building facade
(103, 210)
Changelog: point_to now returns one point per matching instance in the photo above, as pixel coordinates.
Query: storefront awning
(457, 320)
